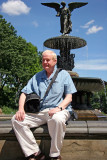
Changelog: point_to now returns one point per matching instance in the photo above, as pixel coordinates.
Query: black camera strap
(52, 81)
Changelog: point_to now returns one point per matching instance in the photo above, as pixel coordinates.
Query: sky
(37, 23)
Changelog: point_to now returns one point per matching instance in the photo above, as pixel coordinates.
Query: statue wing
(74, 5)
(54, 5)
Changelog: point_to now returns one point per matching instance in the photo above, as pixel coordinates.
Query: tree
(19, 60)
(99, 100)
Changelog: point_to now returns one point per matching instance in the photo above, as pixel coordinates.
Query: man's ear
(55, 61)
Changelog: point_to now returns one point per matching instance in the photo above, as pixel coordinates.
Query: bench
(84, 140)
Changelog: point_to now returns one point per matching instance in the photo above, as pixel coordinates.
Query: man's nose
(45, 61)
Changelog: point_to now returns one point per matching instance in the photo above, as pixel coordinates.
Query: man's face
(48, 62)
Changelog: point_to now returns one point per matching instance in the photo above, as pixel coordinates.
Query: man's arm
(20, 114)
(67, 100)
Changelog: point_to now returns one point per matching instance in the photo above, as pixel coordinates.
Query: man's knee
(57, 119)
(13, 119)
(15, 123)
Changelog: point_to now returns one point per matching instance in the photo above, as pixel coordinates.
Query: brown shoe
(55, 158)
(38, 157)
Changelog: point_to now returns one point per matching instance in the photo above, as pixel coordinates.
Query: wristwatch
(60, 108)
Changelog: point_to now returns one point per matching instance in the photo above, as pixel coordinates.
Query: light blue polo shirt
(63, 85)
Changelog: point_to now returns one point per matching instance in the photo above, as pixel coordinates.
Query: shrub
(8, 110)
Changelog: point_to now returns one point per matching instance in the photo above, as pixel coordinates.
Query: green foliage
(19, 60)
(8, 97)
(8, 110)
(99, 100)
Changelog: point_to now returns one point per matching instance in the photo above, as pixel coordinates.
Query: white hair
(54, 56)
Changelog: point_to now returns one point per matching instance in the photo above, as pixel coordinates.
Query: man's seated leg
(57, 127)
(25, 136)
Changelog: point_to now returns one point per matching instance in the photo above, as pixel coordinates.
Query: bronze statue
(65, 14)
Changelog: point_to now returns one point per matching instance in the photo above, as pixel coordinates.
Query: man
(54, 110)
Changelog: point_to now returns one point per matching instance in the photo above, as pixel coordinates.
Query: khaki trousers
(56, 126)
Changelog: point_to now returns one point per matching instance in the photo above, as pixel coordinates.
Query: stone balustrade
(84, 140)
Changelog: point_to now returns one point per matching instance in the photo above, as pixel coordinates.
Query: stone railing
(84, 140)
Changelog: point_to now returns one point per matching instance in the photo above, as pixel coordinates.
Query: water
(105, 91)
(87, 52)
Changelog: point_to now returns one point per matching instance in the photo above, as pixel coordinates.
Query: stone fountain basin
(67, 41)
(88, 84)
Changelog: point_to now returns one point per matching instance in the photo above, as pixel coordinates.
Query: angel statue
(65, 14)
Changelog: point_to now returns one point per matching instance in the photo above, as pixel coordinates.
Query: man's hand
(53, 111)
(64, 103)
(20, 115)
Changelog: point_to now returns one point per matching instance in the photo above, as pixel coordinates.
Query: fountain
(85, 86)
(85, 138)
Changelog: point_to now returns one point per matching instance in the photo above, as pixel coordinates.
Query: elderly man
(55, 109)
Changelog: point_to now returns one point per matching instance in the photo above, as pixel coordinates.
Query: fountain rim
(74, 42)
(96, 84)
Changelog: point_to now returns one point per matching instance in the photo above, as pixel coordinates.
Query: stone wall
(74, 149)
(83, 141)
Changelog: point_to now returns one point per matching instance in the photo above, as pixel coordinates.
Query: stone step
(84, 140)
